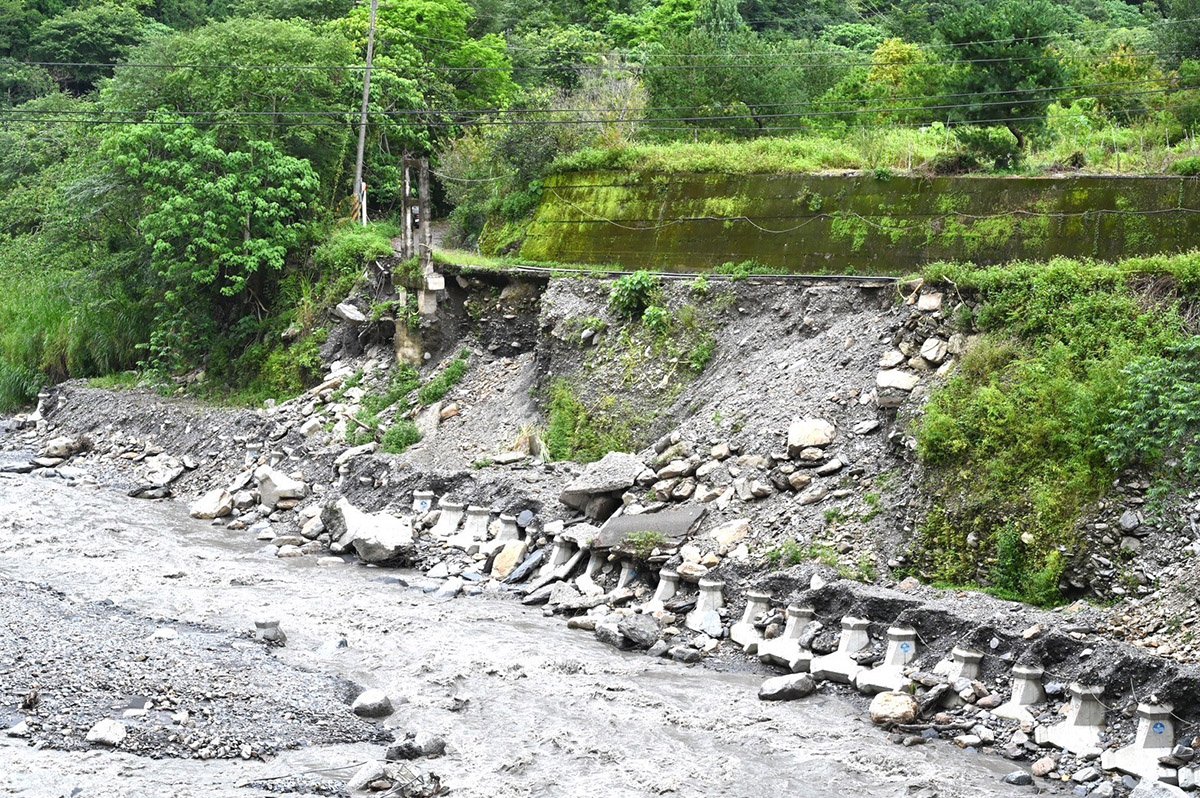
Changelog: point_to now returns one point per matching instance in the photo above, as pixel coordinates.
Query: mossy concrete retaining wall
(857, 223)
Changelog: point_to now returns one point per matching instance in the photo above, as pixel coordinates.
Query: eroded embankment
(779, 415)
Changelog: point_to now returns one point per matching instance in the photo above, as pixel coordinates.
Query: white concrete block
(785, 649)
(1155, 738)
(1080, 732)
(744, 633)
(840, 666)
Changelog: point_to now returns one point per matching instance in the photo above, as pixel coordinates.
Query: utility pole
(426, 212)
(406, 207)
(360, 193)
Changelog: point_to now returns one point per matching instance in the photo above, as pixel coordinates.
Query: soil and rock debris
(794, 430)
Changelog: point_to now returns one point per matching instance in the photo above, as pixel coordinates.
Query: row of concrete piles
(470, 527)
(1079, 732)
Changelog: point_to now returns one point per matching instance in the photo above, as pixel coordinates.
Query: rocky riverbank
(791, 444)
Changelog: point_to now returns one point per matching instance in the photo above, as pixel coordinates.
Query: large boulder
(375, 537)
(509, 558)
(893, 707)
(787, 688)
(161, 469)
(107, 732)
(217, 503)
(372, 704)
(641, 630)
(613, 473)
(804, 433)
(275, 486)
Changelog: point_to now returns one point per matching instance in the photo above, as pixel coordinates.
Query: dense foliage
(175, 175)
(1082, 370)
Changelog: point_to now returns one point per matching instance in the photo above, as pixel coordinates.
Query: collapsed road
(124, 610)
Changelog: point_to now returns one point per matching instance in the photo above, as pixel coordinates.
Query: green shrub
(400, 436)
(1157, 417)
(995, 144)
(631, 294)
(575, 431)
(1188, 167)
(1082, 370)
(437, 388)
(643, 544)
(657, 319)
(702, 353)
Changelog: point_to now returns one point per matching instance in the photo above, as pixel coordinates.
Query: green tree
(1006, 66)
(97, 34)
(218, 225)
(687, 76)
(306, 113)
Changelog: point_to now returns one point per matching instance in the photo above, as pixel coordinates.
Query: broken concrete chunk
(275, 486)
(613, 473)
(375, 537)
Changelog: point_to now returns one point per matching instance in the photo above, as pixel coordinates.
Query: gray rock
(217, 503)
(609, 633)
(107, 732)
(416, 746)
(372, 704)
(1130, 520)
(375, 537)
(275, 486)
(1156, 789)
(686, 654)
(805, 433)
(613, 473)
(659, 649)
(787, 688)
(365, 775)
(1019, 777)
(522, 571)
(641, 630)
(348, 312)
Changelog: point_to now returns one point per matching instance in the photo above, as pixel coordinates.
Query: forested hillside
(176, 176)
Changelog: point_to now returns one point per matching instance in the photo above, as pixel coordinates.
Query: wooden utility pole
(360, 193)
(426, 213)
(406, 207)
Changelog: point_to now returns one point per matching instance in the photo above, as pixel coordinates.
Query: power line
(648, 128)
(550, 67)
(648, 123)
(818, 103)
(1090, 32)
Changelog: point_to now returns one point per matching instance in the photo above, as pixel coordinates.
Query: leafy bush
(657, 319)
(437, 388)
(575, 431)
(995, 144)
(702, 353)
(1158, 416)
(400, 436)
(1082, 369)
(630, 295)
(643, 544)
(1188, 167)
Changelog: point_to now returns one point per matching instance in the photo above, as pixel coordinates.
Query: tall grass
(56, 323)
(1070, 142)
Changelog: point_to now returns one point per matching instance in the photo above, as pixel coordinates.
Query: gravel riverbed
(89, 579)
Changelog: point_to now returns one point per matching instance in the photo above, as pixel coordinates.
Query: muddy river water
(527, 707)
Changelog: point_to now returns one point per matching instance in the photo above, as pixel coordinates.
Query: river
(527, 707)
